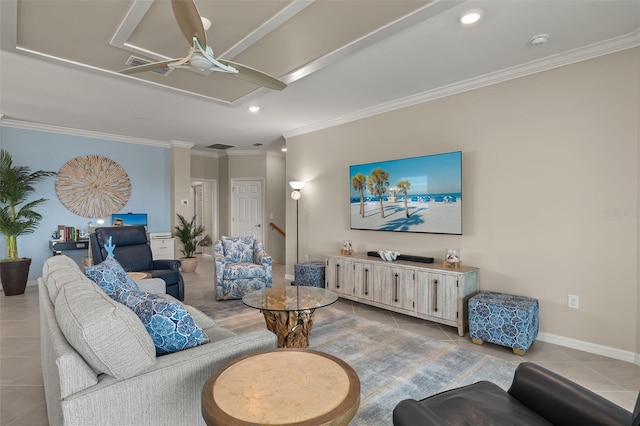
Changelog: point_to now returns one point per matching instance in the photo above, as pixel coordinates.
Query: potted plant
(17, 217)
(191, 236)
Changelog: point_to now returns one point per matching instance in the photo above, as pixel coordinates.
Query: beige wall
(550, 182)
(275, 206)
(204, 167)
(180, 187)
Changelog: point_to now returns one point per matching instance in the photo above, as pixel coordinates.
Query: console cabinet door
(403, 288)
(382, 284)
(394, 286)
(437, 295)
(363, 280)
(447, 297)
(339, 275)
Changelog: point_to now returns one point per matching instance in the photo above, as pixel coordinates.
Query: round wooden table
(288, 311)
(139, 275)
(282, 387)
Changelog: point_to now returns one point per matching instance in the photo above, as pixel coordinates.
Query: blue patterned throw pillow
(110, 276)
(171, 327)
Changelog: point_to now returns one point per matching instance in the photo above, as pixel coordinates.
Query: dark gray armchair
(134, 254)
(537, 396)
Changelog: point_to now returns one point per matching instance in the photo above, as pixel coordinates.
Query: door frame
(215, 214)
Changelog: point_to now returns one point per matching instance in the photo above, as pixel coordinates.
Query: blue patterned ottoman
(309, 274)
(503, 319)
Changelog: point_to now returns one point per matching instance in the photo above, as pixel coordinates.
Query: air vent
(134, 61)
(220, 146)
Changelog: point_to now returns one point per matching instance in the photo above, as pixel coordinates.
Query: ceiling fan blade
(254, 76)
(189, 21)
(148, 67)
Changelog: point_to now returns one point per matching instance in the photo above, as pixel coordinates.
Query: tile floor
(22, 394)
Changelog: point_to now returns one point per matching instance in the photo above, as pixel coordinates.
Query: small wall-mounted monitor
(128, 219)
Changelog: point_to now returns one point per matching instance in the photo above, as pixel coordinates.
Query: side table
(503, 319)
(282, 387)
(309, 274)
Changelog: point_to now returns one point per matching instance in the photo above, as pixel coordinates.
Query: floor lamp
(296, 185)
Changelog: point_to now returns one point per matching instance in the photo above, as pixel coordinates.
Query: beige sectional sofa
(99, 362)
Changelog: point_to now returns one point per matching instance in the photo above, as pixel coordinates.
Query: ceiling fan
(200, 55)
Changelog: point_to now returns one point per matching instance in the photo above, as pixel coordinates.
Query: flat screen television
(128, 219)
(418, 194)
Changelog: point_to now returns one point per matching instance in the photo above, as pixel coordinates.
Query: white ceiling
(343, 60)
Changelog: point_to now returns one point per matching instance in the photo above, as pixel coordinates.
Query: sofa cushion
(58, 278)
(110, 276)
(238, 249)
(55, 263)
(108, 335)
(244, 270)
(169, 324)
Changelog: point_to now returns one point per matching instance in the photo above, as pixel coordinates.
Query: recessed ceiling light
(539, 39)
(254, 108)
(471, 16)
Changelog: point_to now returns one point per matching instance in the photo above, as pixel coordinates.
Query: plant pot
(14, 275)
(188, 264)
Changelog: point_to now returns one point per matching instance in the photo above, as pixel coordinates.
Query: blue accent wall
(148, 168)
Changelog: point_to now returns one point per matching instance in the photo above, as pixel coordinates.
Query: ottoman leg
(519, 352)
(477, 341)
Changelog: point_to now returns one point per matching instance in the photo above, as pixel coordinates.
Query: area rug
(392, 364)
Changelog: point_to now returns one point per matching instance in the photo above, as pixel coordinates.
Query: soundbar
(409, 257)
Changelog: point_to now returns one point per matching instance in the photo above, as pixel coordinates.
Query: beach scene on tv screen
(419, 194)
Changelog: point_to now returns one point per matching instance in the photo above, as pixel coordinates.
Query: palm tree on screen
(359, 183)
(403, 187)
(377, 184)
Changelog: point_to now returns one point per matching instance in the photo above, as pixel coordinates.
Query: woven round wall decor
(93, 186)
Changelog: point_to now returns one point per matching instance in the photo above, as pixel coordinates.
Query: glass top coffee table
(288, 311)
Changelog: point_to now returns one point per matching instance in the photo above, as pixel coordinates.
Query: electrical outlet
(184, 202)
(306, 257)
(573, 301)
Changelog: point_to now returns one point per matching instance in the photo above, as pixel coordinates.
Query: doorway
(204, 198)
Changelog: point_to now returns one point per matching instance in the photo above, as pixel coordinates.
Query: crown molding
(595, 50)
(200, 153)
(181, 144)
(26, 125)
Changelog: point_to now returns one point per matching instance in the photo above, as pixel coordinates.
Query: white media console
(429, 291)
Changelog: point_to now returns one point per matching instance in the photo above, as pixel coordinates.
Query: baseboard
(590, 347)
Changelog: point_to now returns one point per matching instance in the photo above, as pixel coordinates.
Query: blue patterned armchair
(242, 266)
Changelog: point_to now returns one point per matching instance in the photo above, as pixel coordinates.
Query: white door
(246, 214)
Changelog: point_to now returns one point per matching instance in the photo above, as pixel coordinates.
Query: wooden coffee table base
(292, 328)
(282, 387)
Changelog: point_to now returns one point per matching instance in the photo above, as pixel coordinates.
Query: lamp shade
(296, 184)
(295, 195)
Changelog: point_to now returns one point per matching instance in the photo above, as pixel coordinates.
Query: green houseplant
(17, 217)
(191, 236)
